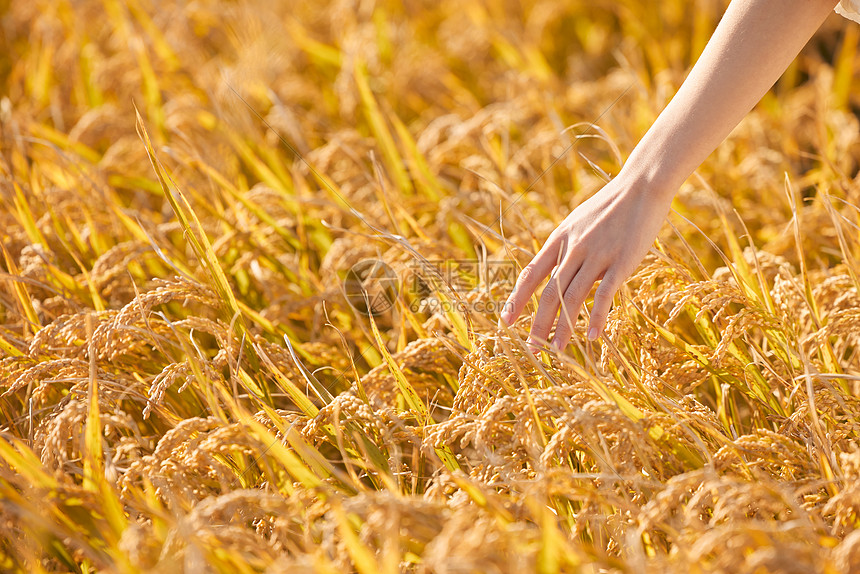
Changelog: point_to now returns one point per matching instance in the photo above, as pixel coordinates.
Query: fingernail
(593, 333)
(506, 316)
(557, 346)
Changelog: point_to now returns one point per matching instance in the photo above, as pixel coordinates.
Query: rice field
(253, 255)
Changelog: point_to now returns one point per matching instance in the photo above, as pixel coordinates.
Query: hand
(605, 238)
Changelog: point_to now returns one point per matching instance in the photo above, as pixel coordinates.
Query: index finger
(527, 281)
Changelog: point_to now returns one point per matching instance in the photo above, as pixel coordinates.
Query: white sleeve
(849, 9)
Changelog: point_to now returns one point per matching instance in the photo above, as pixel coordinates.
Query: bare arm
(753, 45)
(606, 237)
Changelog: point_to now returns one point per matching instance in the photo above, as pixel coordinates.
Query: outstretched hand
(605, 238)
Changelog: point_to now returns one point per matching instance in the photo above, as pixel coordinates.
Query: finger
(571, 305)
(602, 303)
(527, 281)
(549, 302)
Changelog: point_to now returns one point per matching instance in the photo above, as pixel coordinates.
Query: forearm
(752, 46)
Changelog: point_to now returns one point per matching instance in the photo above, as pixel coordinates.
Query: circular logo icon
(371, 287)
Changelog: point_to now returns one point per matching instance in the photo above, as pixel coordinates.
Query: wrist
(649, 179)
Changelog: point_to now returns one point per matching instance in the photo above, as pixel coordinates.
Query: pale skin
(606, 237)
